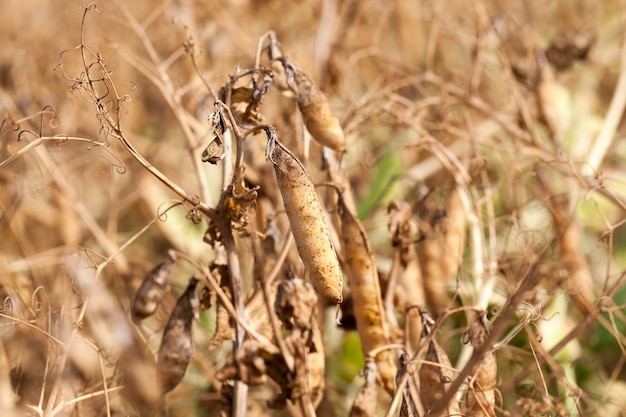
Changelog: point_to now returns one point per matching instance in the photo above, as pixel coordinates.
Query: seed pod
(554, 101)
(454, 226)
(481, 397)
(409, 291)
(577, 281)
(365, 288)
(436, 376)
(316, 113)
(308, 223)
(176, 345)
(152, 289)
(441, 250)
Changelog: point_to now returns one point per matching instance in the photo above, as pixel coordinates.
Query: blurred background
(521, 102)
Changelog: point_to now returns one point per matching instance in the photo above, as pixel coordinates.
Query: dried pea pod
(316, 112)
(577, 282)
(481, 398)
(307, 220)
(155, 284)
(366, 293)
(455, 225)
(436, 375)
(441, 250)
(176, 345)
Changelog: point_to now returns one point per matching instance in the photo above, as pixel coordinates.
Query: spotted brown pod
(307, 220)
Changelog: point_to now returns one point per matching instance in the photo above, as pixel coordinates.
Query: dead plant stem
(611, 121)
(240, 395)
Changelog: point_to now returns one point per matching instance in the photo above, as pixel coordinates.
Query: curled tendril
(91, 7)
(162, 214)
(9, 121)
(7, 306)
(54, 117)
(120, 169)
(605, 238)
(25, 132)
(34, 299)
(494, 311)
(604, 303)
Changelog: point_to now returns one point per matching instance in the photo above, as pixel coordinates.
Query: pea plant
(379, 235)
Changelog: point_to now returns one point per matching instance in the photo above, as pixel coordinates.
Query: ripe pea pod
(369, 311)
(307, 220)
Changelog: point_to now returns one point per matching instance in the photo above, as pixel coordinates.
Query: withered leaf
(236, 201)
(177, 345)
(248, 365)
(214, 152)
(296, 304)
(402, 228)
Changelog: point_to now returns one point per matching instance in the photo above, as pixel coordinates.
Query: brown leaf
(248, 365)
(236, 201)
(214, 152)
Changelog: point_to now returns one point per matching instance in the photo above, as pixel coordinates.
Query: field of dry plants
(322, 207)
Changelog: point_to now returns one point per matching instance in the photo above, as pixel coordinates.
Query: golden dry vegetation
(452, 172)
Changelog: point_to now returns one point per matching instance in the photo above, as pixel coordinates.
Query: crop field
(312, 208)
